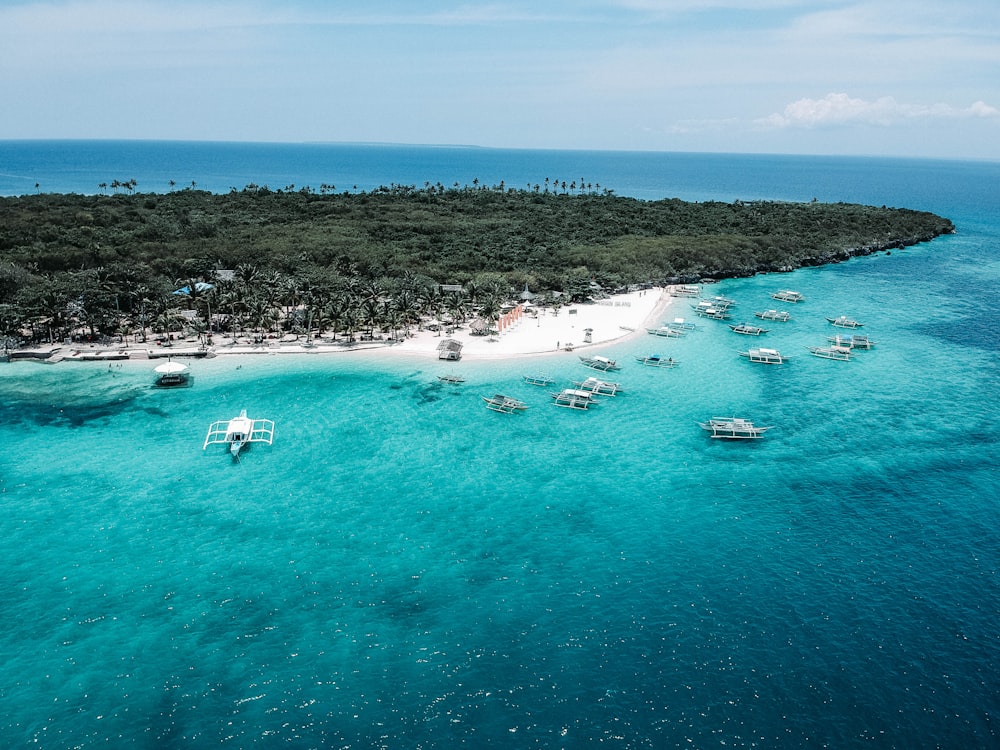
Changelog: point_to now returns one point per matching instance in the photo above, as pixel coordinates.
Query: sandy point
(547, 331)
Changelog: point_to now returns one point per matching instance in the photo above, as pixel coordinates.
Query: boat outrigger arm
(239, 431)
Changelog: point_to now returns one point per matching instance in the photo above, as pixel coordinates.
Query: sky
(839, 77)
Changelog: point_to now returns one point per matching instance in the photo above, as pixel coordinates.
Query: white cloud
(840, 109)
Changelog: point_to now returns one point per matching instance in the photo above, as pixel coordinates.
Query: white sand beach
(545, 331)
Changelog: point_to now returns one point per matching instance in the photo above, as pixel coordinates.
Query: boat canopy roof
(169, 368)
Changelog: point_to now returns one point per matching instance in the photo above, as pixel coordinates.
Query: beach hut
(450, 349)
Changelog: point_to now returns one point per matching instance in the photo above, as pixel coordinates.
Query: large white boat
(844, 322)
(504, 404)
(655, 360)
(570, 398)
(239, 432)
(747, 330)
(781, 316)
(172, 375)
(765, 356)
(597, 362)
(599, 387)
(840, 353)
(733, 428)
(787, 295)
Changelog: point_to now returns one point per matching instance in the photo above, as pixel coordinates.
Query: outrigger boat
(716, 313)
(666, 332)
(844, 322)
(787, 295)
(538, 379)
(597, 362)
(781, 316)
(504, 404)
(857, 341)
(685, 290)
(747, 330)
(598, 387)
(765, 356)
(733, 428)
(655, 360)
(840, 353)
(240, 431)
(570, 398)
(723, 302)
(451, 378)
(681, 324)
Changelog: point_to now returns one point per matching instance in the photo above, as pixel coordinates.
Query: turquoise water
(404, 568)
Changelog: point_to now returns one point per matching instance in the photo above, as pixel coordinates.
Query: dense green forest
(112, 264)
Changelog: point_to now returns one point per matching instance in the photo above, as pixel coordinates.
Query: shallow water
(403, 567)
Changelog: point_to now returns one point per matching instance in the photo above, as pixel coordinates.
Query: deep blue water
(404, 568)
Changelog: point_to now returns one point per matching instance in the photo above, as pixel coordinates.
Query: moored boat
(781, 316)
(655, 360)
(239, 432)
(685, 290)
(455, 379)
(855, 341)
(597, 362)
(840, 353)
(505, 404)
(172, 375)
(598, 387)
(733, 428)
(538, 379)
(570, 398)
(747, 330)
(787, 295)
(844, 322)
(666, 332)
(715, 313)
(765, 356)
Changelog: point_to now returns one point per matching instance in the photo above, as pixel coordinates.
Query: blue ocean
(403, 568)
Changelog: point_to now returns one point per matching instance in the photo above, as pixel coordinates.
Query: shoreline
(547, 332)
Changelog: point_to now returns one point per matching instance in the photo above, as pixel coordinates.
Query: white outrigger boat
(765, 356)
(844, 322)
(747, 330)
(666, 332)
(655, 360)
(570, 398)
(685, 290)
(239, 431)
(787, 295)
(715, 313)
(681, 324)
(504, 404)
(733, 428)
(538, 379)
(453, 379)
(857, 341)
(780, 316)
(597, 362)
(599, 387)
(839, 353)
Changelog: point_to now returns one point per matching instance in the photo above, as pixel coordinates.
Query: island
(262, 262)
